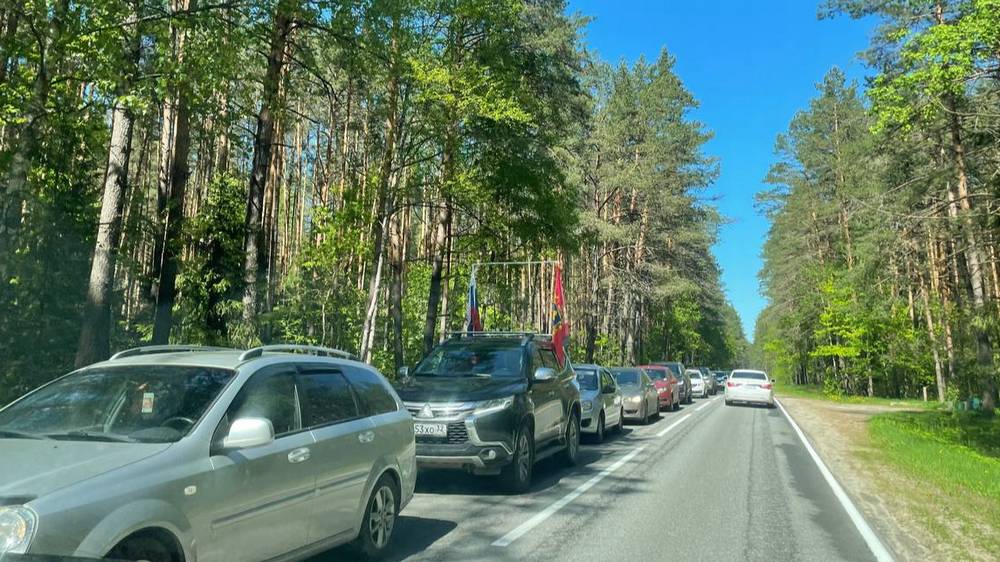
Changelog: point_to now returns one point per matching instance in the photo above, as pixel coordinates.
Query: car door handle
(299, 455)
(366, 436)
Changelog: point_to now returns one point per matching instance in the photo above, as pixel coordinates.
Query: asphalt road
(710, 482)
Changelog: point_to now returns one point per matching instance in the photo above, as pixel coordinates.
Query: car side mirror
(246, 433)
(543, 374)
(403, 373)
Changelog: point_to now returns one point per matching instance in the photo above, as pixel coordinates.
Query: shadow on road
(412, 536)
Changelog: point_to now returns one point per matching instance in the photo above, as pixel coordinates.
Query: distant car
(680, 373)
(600, 400)
(710, 379)
(699, 386)
(667, 387)
(493, 403)
(720, 379)
(170, 453)
(749, 386)
(641, 399)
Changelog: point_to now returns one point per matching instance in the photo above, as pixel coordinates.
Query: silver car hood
(33, 468)
(586, 395)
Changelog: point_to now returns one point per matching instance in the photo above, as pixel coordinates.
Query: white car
(749, 386)
(698, 385)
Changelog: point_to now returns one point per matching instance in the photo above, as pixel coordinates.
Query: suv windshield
(153, 404)
(473, 359)
(587, 378)
(626, 377)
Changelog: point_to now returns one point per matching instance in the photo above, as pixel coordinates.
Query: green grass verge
(816, 392)
(955, 454)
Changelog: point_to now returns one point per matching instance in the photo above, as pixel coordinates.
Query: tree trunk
(398, 249)
(260, 168)
(437, 271)
(95, 335)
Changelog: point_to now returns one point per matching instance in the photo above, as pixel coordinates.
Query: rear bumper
(756, 396)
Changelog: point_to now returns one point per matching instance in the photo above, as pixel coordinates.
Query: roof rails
(525, 336)
(154, 349)
(294, 348)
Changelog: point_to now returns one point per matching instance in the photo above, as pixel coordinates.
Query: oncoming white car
(749, 386)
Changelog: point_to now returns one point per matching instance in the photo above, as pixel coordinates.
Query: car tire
(621, 422)
(571, 452)
(379, 520)
(729, 402)
(143, 547)
(599, 434)
(644, 418)
(516, 476)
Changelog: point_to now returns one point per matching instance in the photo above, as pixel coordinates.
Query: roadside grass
(955, 459)
(816, 392)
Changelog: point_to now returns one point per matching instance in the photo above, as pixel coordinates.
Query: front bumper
(478, 444)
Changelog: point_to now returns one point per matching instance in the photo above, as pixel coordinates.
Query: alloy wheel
(382, 518)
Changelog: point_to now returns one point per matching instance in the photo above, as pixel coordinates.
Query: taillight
(767, 386)
(732, 384)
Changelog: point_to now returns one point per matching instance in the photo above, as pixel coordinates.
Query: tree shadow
(411, 536)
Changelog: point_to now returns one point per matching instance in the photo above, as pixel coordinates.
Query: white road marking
(881, 553)
(705, 405)
(541, 516)
(673, 425)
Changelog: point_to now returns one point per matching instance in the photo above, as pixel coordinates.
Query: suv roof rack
(295, 348)
(154, 349)
(525, 336)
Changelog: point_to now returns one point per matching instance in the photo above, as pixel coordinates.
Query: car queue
(172, 453)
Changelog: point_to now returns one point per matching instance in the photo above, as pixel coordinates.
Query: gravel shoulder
(916, 526)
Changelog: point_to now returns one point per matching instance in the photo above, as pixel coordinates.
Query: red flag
(560, 328)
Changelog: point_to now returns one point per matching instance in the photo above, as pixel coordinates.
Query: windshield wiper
(86, 436)
(480, 375)
(20, 434)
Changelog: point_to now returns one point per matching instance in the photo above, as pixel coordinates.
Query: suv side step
(555, 448)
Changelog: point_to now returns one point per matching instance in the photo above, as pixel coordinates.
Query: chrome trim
(436, 461)
(443, 411)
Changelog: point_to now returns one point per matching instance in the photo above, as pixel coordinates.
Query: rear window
(656, 374)
(753, 375)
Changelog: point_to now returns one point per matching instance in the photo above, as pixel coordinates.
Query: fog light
(489, 454)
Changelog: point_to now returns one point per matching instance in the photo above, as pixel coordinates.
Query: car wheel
(729, 402)
(621, 422)
(677, 404)
(380, 519)
(143, 547)
(644, 417)
(516, 476)
(600, 429)
(572, 437)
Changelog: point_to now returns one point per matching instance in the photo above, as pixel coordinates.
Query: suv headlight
(17, 528)
(493, 406)
(587, 406)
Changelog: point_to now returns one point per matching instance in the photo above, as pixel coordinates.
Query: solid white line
(673, 425)
(881, 553)
(541, 516)
(705, 405)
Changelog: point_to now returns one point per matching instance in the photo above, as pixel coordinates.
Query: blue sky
(752, 65)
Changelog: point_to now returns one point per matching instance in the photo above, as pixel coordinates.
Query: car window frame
(312, 368)
(266, 371)
(363, 406)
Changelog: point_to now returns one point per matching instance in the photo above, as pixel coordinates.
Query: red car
(666, 386)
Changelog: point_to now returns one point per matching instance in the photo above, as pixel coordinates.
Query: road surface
(709, 482)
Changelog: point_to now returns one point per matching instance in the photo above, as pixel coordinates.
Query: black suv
(493, 403)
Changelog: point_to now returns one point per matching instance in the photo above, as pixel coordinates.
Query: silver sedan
(638, 393)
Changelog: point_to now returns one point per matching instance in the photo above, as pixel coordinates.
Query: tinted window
(607, 380)
(327, 398)
(549, 359)
(656, 374)
(272, 397)
(749, 375)
(375, 397)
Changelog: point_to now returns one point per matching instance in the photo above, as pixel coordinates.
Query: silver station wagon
(173, 454)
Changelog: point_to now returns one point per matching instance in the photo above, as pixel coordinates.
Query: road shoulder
(839, 433)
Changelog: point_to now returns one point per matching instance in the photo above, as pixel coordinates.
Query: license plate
(430, 429)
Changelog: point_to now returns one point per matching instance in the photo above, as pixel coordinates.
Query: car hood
(587, 395)
(33, 468)
(458, 389)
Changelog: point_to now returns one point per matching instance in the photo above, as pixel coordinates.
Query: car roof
(587, 366)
